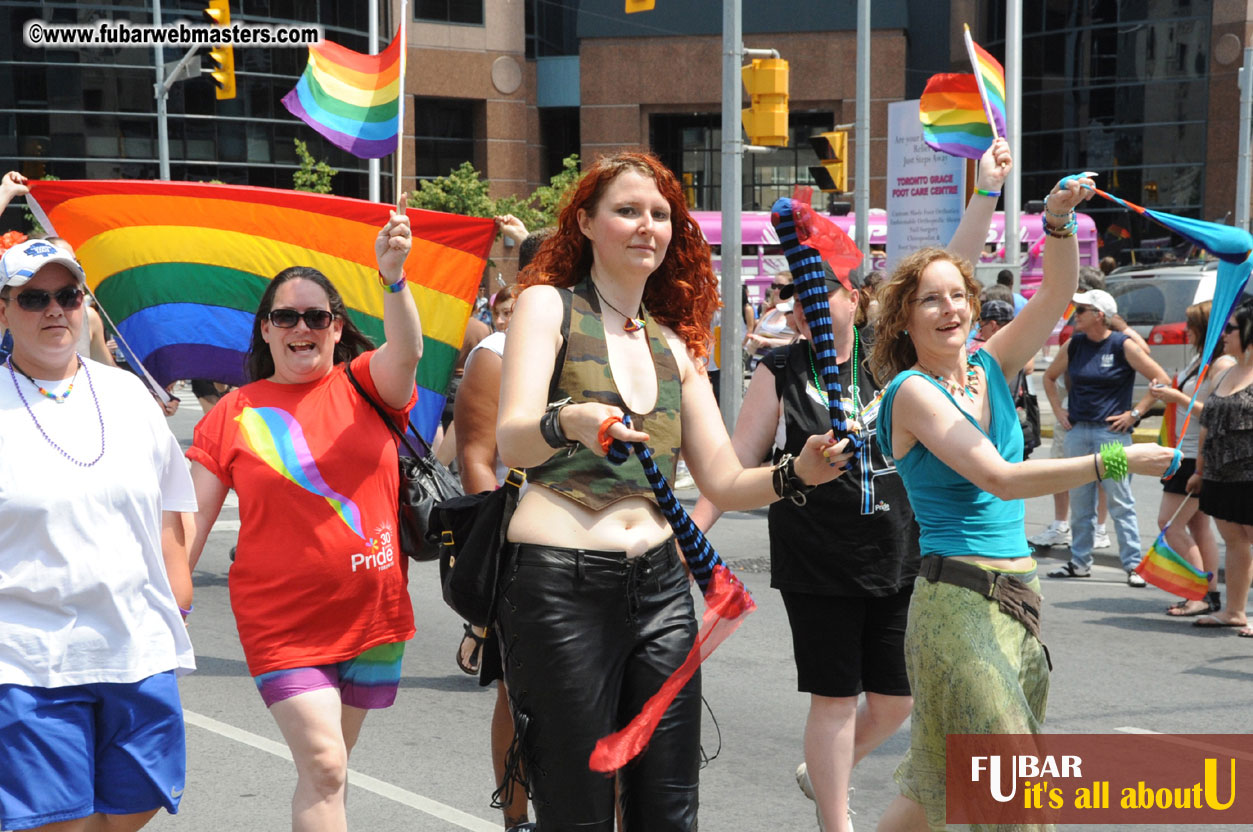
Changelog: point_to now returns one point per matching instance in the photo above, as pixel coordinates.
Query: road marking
(361, 781)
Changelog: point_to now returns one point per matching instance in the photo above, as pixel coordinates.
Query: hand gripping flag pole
(727, 602)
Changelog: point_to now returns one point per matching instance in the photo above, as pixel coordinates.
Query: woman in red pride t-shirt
(318, 586)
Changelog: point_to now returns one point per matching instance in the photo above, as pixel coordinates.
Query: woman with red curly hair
(595, 610)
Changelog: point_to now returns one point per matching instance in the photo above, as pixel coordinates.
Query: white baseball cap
(1098, 299)
(20, 263)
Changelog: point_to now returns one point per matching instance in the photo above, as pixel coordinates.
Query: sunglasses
(1230, 328)
(37, 300)
(778, 285)
(1079, 310)
(313, 318)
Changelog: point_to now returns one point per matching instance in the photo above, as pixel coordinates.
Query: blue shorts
(73, 751)
(368, 681)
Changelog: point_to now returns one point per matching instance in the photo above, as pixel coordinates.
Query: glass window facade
(90, 112)
(444, 131)
(1119, 87)
(691, 146)
(469, 12)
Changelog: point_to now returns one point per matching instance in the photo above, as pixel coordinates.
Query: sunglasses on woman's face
(1229, 328)
(37, 300)
(314, 318)
(777, 285)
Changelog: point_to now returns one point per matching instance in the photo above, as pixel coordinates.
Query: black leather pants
(588, 637)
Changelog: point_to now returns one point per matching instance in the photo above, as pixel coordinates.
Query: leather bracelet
(787, 484)
(550, 427)
(1096, 466)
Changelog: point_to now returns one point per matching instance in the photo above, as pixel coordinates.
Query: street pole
(163, 128)
(861, 199)
(375, 167)
(1013, 124)
(1246, 122)
(732, 365)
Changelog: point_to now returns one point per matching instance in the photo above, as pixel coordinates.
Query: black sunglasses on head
(314, 318)
(37, 300)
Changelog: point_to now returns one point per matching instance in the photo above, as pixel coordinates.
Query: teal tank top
(955, 516)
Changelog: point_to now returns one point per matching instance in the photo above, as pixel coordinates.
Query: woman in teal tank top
(949, 422)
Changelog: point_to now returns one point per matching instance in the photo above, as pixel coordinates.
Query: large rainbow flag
(181, 266)
(350, 98)
(961, 114)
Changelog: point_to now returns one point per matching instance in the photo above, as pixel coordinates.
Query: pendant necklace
(35, 419)
(969, 389)
(632, 324)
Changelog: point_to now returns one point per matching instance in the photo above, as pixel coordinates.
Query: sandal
(1182, 610)
(470, 666)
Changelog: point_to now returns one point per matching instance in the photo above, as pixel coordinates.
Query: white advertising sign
(925, 188)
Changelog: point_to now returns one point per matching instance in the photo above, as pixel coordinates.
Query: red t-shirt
(318, 575)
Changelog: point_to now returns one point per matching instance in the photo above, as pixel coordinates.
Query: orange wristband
(602, 433)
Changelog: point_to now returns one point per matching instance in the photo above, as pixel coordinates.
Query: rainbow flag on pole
(1164, 568)
(181, 266)
(962, 114)
(353, 100)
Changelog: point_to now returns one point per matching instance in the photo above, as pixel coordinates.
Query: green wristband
(1114, 455)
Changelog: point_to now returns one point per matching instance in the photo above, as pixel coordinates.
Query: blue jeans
(1086, 438)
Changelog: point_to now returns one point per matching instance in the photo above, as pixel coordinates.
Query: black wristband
(550, 426)
(787, 484)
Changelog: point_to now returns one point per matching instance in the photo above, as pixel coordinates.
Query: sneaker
(683, 477)
(1134, 579)
(1057, 534)
(1100, 540)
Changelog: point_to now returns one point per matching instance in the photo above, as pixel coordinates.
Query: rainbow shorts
(368, 681)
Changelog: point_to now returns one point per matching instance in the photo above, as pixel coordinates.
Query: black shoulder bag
(1028, 408)
(471, 530)
(424, 481)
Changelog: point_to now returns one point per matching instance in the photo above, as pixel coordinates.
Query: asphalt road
(423, 764)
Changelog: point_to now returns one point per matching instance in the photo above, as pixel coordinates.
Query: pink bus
(763, 256)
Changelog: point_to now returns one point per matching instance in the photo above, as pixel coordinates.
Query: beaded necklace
(822, 393)
(99, 416)
(969, 389)
(59, 398)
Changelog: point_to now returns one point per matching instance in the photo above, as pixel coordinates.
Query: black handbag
(424, 481)
(471, 532)
(1028, 408)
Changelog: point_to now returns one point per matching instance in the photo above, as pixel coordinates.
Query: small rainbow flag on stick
(353, 100)
(181, 267)
(962, 114)
(1164, 568)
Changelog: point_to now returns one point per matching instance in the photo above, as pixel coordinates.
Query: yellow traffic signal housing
(832, 150)
(765, 121)
(223, 56)
(633, 6)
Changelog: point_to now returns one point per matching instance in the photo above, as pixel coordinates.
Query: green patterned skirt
(973, 670)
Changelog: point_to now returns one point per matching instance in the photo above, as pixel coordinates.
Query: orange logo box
(1100, 778)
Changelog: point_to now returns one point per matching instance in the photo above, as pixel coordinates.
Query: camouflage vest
(585, 376)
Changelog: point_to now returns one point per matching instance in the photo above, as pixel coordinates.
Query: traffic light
(832, 150)
(633, 6)
(223, 56)
(765, 122)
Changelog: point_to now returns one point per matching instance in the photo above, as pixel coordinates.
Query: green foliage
(465, 192)
(37, 230)
(549, 199)
(314, 175)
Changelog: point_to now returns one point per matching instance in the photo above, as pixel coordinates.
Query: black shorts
(1178, 484)
(203, 388)
(844, 646)
(1230, 501)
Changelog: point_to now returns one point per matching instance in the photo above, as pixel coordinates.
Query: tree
(314, 175)
(465, 192)
(551, 198)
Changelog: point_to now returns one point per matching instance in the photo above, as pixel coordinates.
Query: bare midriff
(545, 518)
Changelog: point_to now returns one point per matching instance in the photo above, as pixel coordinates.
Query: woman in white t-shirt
(93, 570)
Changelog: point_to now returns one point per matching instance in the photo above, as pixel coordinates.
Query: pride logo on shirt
(276, 437)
